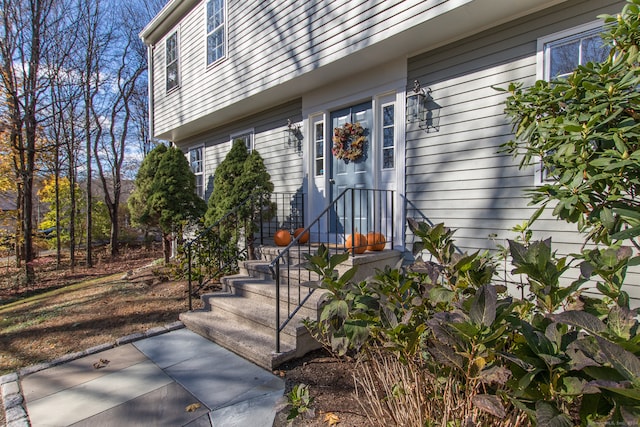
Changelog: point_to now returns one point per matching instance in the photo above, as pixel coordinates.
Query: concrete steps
(242, 316)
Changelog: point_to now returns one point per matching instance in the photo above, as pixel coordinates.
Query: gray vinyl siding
(457, 175)
(284, 164)
(270, 43)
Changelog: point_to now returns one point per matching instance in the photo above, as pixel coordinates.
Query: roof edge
(168, 16)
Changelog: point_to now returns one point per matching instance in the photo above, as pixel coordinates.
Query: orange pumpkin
(375, 241)
(282, 237)
(304, 238)
(356, 242)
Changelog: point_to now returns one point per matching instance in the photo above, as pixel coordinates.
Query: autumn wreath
(348, 141)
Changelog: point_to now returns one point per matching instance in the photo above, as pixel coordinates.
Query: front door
(353, 209)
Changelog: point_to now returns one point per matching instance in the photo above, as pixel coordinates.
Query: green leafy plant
(300, 401)
(452, 269)
(346, 312)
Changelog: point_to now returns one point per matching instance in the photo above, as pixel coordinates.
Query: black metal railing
(353, 211)
(217, 250)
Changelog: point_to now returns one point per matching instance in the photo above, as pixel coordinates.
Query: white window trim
(542, 58)
(166, 65)
(206, 36)
(188, 155)
(249, 132)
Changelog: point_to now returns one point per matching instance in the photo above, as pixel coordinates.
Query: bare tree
(125, 101)
(96, 38)
(64, 98)
(22, 46)
(111, 150)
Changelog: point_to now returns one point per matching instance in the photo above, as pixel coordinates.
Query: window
(246, 136)
(560, 53)
(388, 136)
(196, 162)
(216, 37)
(318, 141)
(171, 59)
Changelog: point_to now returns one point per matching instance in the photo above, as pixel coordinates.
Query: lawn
(67, 311)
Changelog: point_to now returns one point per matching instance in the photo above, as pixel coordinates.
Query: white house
(252, 69)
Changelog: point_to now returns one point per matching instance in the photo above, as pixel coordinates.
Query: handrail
(221, 256)
(374, 208)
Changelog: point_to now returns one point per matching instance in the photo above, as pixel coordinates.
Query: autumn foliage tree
(58, 219)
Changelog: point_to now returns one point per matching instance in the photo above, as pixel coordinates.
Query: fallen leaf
(193, 407)
(331, 419)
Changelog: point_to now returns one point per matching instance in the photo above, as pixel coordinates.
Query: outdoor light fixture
(422, 109)
(293, 136)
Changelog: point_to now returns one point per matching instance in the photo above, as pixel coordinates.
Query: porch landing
(242, 316)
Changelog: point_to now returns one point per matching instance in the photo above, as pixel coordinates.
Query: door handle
(332, 181)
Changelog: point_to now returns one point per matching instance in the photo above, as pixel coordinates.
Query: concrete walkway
(175, 378)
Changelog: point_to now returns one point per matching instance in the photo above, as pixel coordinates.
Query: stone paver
(166, 376)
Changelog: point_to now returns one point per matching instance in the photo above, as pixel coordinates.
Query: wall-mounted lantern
(422, 109)
(293, 136)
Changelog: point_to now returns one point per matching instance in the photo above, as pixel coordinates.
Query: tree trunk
(166, 247)
(89, 201)
(57, 202)
(27, 226)
(115, 225)
(18, 234)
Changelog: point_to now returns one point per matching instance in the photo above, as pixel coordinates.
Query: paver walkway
(174, 379)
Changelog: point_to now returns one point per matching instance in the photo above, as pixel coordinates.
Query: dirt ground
(331, 386)
(68, 311)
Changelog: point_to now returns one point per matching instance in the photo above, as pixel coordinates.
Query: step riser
(293, 274)
(267, 295)
(262, 357)
(296, 254)
(286, 337)
(240, 305)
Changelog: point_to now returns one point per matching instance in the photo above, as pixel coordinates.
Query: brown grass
(67, 311)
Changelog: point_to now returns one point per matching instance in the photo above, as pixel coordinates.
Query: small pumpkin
(282, 237)
(356, 242)
(304, 238)
(375, 241)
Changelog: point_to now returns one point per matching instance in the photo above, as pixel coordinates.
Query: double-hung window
(171, 61)
(216, 32)
(196, 162)
(246, 136)
(560, 54)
